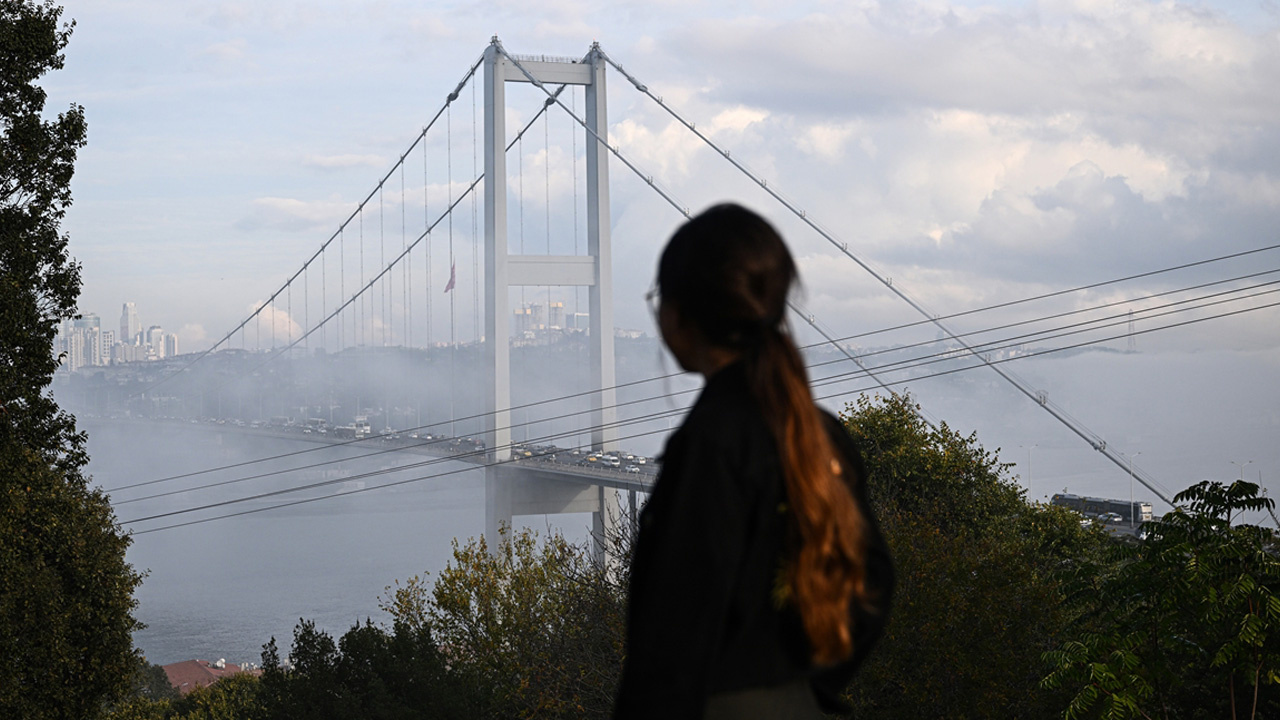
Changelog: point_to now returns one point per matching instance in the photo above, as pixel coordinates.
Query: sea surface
(223, 588)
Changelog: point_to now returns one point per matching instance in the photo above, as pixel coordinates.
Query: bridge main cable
(1121, 460)
(407, 251)
(325, 245)
(666, 195)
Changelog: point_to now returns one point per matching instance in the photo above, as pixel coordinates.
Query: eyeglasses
(654, 299)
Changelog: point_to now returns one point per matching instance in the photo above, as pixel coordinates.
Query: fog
(221, 586)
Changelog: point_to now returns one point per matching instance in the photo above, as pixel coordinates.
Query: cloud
(227, 51)
(292, 215)
(193, 334)
(343, 162)
(1135, 71)
(272, 324)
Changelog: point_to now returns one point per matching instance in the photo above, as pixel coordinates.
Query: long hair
(729, 273)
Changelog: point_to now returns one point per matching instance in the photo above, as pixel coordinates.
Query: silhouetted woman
(759, 579)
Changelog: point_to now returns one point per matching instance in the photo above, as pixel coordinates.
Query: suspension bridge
(446, 267)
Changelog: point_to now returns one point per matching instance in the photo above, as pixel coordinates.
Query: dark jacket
(702, 617)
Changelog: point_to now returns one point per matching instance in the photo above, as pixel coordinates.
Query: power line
(481, 452)
(994, 346)
(1047, 351)
(824, 382)
(351, 492)
(1128, 317)
(805, 347)
(1090, 286)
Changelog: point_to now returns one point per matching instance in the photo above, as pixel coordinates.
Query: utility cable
(896, 366)
(806, 316)
(574, 432)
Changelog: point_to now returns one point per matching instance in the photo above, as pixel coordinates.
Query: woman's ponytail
(825, 570)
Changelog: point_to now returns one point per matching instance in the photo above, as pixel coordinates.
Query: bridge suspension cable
(357, 213)
(365, 286)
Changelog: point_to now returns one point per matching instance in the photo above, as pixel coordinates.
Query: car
(631, 469)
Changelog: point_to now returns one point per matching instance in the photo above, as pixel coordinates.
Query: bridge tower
(508, 491)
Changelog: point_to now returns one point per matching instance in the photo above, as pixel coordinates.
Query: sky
(975, 153)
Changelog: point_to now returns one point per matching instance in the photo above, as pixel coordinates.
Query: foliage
(65, 588)
(369, 673)
(65, 593)
(139, 708)
(39, 283)
(151, 682)
(1187, 618)
(237, 697)
(979, 573)
(541, 624)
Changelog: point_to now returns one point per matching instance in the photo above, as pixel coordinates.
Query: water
(221, 589)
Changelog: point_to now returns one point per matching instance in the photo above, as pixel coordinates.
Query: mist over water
(221, 589)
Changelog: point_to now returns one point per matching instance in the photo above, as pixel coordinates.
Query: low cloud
(227, 51)
(343, 162)
(193, 334)
(292, 215)
(273, 324)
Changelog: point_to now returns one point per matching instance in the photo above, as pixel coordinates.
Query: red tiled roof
(191, 674)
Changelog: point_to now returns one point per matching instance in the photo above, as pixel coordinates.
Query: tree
(1183, 623)
(232, 698)
(369, 673)
(979, 573)
(540, 623)
(65, 588)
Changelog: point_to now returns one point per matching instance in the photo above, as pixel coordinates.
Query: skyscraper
(130, 326)
(155, 339)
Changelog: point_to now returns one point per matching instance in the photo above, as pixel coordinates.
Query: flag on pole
(453, 276)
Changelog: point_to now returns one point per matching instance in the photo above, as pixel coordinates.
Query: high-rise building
(81, 340)
(130, 326)
(578, 321)
(155, 340)
(555, 314)
(523, 319)
(170, 345)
